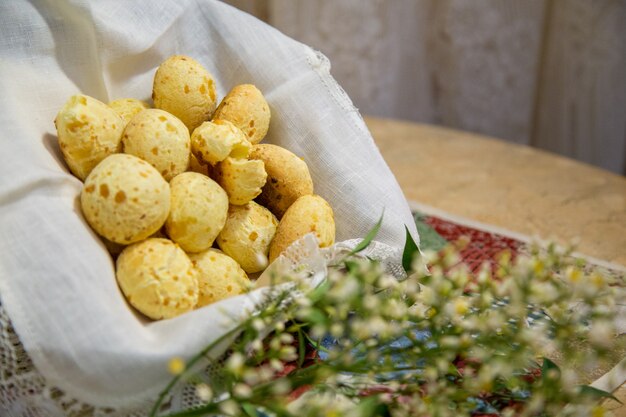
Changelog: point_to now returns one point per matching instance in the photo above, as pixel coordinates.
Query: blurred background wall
(544, 73)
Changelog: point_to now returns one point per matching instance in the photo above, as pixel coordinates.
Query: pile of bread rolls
(165, 187)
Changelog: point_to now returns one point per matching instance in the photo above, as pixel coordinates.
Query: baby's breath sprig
(443, 342)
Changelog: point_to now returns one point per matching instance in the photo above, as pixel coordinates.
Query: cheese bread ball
(309, 213)
(125, 199)
(242, 179)
(159, 138)
(126, 108)
(247, 109)
(198, 211)
(288, 177)
(247, 235)
(88, 132)
(183, 87)
(157, 278)
(213, 141)
(219, 276)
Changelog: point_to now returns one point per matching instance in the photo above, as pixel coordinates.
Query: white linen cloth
(57, 280)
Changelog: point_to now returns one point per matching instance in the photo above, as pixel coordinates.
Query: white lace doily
(24, 391)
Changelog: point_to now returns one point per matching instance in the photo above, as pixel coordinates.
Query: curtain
(544, 73)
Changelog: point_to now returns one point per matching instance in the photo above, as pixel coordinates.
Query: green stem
(315, 344)
(192, 361)
(204, 352)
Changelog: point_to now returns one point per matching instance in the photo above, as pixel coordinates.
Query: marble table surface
(522, 189)
(515, 187)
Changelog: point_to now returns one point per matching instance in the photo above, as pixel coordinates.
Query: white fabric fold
(56, 279)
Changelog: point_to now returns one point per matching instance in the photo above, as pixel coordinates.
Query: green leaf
(590, 391)
(249, 410)
(548, 366)
(316, 316)
(410, 248)
(316, 345)
(319, 291)
(301, 348)
(369, 237)
(372, 406)
(352, 266)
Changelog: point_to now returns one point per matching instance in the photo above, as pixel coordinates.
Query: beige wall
(547, 73)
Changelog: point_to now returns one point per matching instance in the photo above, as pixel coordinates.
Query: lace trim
(24, 391)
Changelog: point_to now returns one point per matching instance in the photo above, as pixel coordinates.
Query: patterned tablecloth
(486, 243)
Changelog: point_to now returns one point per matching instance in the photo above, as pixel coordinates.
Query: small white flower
(359, 329)
(601, 334)
(235, 363)
(430, 256)
(450, 342)
(569, 380)
(256, 345)
(486, 298)
(281, 386)
(386, 397)
(431, 373)
(372, 355)
(387, 281)
(597, 280)
(451, 258)
(471, 323)
(258, 324)
(536, 403)
(457, 308)
(265, 373)
(509, 412)
(318, 331)
(345, 289)
(427, 296)
(242, 391)
(443, 365)
(443, 287)
(287, 353)
(251, 376)
(371, 342)
(229, 407)
(286, 338)
(419, 265)
(484, 275)
(461, 306)
(460, 276)
(276, 365)
(371, 302)
(377, 325)
(544, 292)
(485, 377)
(275, 344)
(204, 392)
(574, 275)
(410, 286)
(336, 329)
(395, 309)
(303, 302)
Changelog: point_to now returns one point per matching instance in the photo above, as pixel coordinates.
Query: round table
(515, 187)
